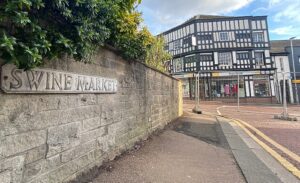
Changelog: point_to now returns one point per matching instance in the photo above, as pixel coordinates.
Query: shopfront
(230, 86)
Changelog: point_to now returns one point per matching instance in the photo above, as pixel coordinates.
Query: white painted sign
(15, 80)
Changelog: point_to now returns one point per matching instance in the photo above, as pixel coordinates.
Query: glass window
(258, 37)
(178, 65)
(177, 44)
(190, 63)
(226, 87)
(224, 36)
(259, 58)
(261, 86)
(242, 55)
(225, 58)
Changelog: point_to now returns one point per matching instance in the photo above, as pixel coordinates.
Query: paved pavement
(286, 133)
(193, 150)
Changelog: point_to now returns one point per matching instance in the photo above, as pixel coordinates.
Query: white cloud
(286, 31)
(290, 12)
(169, 13)
(283, 30)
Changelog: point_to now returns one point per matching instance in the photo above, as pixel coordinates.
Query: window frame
(223, 37)
(227, 58)
(262, 61)
(256, 38)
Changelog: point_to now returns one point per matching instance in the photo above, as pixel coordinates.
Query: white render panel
(266, 36)
(223, 25)
(205, 26)
(247, 89)
(192, 27)
(241, 23)
(219, 25)
(253, 24)
(236, 22)
(264, 24)
(216, 58)
(267, 53)
(210, 26)
(232, 24)
(234, 56)
(214, 26)
(272, 87)
(252, 88)
(246, 23)
(258, 23)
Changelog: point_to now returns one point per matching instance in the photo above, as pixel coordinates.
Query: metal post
(293, 59)
(285, 110)
(196, 109)
(238, 92)
(195, 93)
(198, 89)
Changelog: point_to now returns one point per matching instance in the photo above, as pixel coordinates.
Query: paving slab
(191, 151)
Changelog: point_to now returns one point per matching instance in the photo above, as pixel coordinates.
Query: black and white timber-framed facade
(220, 48)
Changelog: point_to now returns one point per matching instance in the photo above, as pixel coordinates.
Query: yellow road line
(290, 167)
(268, 139)
(271, 141)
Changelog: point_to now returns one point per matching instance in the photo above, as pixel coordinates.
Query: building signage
(295, 81)
(235, 73)
(15, 80)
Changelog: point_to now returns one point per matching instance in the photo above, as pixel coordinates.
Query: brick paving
(286, 133)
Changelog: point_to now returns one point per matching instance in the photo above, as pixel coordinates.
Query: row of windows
(258, 37)
(231, 25)
(216, 26)
(224, 59)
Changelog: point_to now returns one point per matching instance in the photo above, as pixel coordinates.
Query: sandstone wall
(55, 137)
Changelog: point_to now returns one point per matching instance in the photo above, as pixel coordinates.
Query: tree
(156, 55)
(32, 30)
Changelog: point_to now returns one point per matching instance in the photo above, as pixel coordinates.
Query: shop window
(259, 58)
(227, 87)
(225, 58)
(261, 86)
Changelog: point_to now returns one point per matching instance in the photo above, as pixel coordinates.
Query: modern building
(282, 56)
(220, 48)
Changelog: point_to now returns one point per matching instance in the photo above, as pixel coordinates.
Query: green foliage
(156, 55)
(32, 31)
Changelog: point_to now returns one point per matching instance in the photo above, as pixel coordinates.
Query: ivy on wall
(34, 30)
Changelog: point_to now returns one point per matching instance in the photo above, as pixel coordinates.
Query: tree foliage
(34, 30)
(156, 55)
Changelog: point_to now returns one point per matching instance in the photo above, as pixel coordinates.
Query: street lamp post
(197, 109)
(293, 59)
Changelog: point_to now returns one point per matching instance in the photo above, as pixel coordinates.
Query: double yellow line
(290, 167)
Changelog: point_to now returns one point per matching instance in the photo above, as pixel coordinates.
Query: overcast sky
(283, 15)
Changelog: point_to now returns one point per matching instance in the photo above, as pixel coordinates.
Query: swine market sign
(15, 80)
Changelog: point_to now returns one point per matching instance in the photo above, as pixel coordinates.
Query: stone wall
(55, 137)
